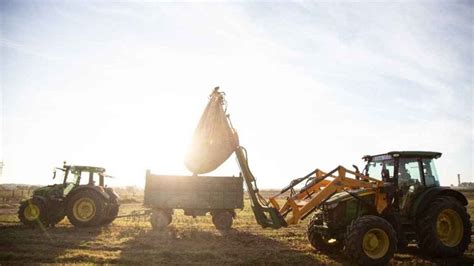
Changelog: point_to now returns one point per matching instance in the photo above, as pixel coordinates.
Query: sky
(122, 84)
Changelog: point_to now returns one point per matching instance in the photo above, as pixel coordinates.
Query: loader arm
(299, 205)
(266, 215)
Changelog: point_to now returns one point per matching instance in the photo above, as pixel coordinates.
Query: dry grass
(186, 241)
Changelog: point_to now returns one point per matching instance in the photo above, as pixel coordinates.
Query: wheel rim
(375, 243)
(449, 227)
(84, 209)
(31, 212)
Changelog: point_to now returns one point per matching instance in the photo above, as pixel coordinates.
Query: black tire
(160, 218)
(359, 240)
(112, 212)
(428, 238)
(222, 220)
(317, 240)
(113, 206)
(33, 213)
(92, 200)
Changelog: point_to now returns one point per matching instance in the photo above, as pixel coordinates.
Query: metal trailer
(196, 195)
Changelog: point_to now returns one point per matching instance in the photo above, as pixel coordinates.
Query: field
(186, 241)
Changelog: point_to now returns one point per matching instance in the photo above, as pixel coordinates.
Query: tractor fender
(113, 196)
(96, 189)
(423, 201)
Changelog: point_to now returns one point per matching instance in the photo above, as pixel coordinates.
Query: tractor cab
(74, 176)
(75, 173)
(411, 172)
(404, 167)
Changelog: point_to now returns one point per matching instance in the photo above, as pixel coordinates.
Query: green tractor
(85, 204)
(419, 211)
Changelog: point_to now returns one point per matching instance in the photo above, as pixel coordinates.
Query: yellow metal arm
(318, 189)
(310, 197)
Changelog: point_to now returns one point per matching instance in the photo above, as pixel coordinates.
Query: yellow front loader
(319, 187)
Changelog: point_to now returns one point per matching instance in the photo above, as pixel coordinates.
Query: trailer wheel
(160, 218)
(222, 220)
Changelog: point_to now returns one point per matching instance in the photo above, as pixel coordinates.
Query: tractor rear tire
(317, 240)
(86, 209)
(33, 213)
(222, 220)
(370, 240)
(444, 228)
(112, 212)
(160, 218)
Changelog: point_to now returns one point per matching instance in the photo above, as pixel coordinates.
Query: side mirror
(54, 173)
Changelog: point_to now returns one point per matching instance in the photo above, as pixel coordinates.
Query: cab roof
(84, 168)
(406, 154)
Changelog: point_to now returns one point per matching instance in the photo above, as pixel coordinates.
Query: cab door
(410, 182)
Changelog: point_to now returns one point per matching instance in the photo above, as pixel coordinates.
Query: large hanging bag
(214, 139)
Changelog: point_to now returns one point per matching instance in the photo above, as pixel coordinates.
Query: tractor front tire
(222, 220)
(33, 213)
(317, 240)
(86, 208)
(160, 218)
(370, 240)
(444, 228)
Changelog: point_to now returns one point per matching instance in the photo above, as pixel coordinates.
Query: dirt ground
(185, 241)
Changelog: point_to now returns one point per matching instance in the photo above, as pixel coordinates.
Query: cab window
(409, 182)
(375, 168)
(85, 175)
(84, 178)
(409, 172)
(429, 170)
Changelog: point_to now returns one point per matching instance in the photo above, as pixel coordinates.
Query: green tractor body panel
(43, 191)
(344, 207)
(344, 196)
(49, 191)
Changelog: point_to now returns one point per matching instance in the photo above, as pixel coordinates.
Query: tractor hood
(42, 191)
(343, 196)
